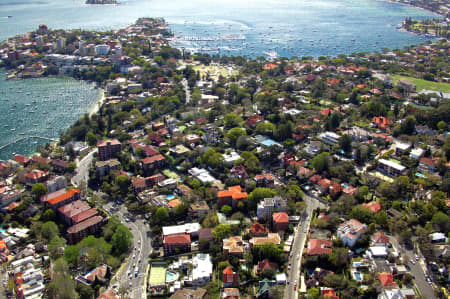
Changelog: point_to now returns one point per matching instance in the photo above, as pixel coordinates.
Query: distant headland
(102, 2)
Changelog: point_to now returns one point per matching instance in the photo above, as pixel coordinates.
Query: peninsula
(205, 176)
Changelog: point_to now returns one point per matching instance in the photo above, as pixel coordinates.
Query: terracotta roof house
(36, 176)
(40, 160)
(374, 206)
(264, 180)
(47, 197)
(280, 221)
(379, 238)
(318, 247)
(253, 120)
(60, 166)
(323, 185)
(174, 244)
(380, 122)
(21, 159)
(350, 190)
(229, 277)
(328, 293)
(263, 265)
(155, 138)
(174, 203)
(258, 230)
(231, 196)
(335, 189)
(84, 215)
(271, 238)
(427, 165)
(99, 273)
(233, 246)
(304, 173)
(206, 234)
(387, 280)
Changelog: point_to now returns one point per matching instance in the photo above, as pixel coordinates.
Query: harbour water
(39, 107)
(227, 27)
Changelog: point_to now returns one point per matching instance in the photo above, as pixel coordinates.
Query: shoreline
(96, 107)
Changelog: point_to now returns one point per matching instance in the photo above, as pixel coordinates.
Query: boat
(9, 17)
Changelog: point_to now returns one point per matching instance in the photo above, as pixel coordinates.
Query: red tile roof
(52, 195)
(150, 160)
(21, 159)
(74, 208)
(64, 196)
(105, 142)
(380, 238)
(85, 224)
(228, 270)
(281, 217)
(258, 228)
(177, 239)
(234, 192)
(373, 206)
(387, 279)
(84, 215)
(317, 247)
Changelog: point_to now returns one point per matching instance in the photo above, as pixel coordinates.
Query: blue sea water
(234, 27)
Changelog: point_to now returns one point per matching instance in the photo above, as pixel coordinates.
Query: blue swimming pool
(358, 276)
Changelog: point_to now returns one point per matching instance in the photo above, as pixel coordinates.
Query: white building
(268, 205)
(60, 43)
(391, 168)
(379, 251)
(102, 50)
(231, 157)
(202, 175)
(416, 153)
(330, 137)
(56, 184)
(349, 232)
(188, 228)
(202, 269)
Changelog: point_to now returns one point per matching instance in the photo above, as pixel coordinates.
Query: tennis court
(157, 276)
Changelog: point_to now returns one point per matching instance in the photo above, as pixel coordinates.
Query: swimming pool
(170, 197)
(171, 276)
(358, 276)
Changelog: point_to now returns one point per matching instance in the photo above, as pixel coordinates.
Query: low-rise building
(232, 196)
(108, 148)
(229, 277)
(233, 246)
(267, 206)
(104, 167)
(319, 247)
(391, 168)
(176, 244)
(56, 183)
(350, 231)
(280, 222)
(198, 209)
(202, 269)
(91, 226)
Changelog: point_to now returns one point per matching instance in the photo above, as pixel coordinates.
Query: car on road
(288, 281)
(295, 288)
(298, 256)
(413, 262)
(130, 284)
(417, 257)
(429, 281)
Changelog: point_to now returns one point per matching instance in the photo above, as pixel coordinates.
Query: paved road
(132, 278)
(418, 269)
(186, 90)
(82, 171)
(301, 232)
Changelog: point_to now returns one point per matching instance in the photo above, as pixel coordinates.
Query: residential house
(267, 206)
(265, 180)
(238, 172)
(270, 238)
(21, 160)
(98, 274)
(258, 230)
(108, 148)
(323, 185)
(328, 293)
(318, 247)
(198, 209)
(232, 196)
(374, 206)
(380, 122)
(233, 246)
(253, 121)
(35, 176)
(175, 244)
(379, 239)
(280, 222)
(406, 85)
(391, 168)
(387, 280)
(350, 231)
(427, 165)
(330, 137)
(263, 265)
(304, 173)
(229, 277)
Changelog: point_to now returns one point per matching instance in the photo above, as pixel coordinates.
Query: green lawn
(424, 84)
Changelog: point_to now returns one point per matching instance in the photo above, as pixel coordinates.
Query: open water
(227, 27)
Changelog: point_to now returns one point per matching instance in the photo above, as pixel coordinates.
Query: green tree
(363, 214)
(121, 240)
(38, 190)
(232, 120)
(221, 231)
(259, 194)
(161, 215)
(91, 138)
(234, 134)
(442, 220)
(123, 182)
(49, 230)
(48, 215)
(71, 167)
(226, 209)
(321, 162)
(345, 142)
